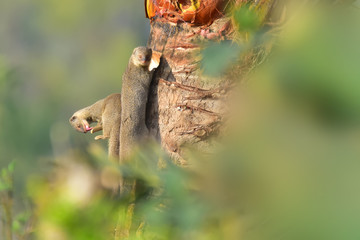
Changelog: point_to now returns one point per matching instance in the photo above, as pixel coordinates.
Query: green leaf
(11, 167)
(246, 18)
(217, 57)
(16, 226)
(23, 217)
(3, 186)
(4, 174)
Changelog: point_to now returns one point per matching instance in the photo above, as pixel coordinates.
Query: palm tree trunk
(184, 106)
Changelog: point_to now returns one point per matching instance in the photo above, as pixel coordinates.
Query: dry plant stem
(7, 203)
(125, 219)
(120, 231)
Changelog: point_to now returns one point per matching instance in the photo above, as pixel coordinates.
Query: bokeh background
(55, 58)
(287, 165)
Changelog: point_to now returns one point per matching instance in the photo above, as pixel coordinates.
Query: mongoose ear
(155, 60)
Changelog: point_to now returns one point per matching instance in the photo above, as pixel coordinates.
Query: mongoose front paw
(100, 137)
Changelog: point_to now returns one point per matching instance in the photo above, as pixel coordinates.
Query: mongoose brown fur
(134, 94)
(107, 113)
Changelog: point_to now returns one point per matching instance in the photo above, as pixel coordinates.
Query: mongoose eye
(72, 118)
(142, 58)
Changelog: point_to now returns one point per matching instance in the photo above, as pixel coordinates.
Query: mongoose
(107, 113)
(134, 94)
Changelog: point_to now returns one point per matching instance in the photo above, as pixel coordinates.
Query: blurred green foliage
(55, 58)
(246, 18)
(287, 166)
(218, 56)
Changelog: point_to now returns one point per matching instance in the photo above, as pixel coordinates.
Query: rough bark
(184, 106)
(181, 105)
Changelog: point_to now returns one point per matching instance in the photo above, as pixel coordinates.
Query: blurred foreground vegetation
(55, 58)
(287, 166)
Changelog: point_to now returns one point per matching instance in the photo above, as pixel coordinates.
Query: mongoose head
(141, 56)
(80, 124)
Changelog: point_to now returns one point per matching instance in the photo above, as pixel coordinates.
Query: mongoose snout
(79, 124)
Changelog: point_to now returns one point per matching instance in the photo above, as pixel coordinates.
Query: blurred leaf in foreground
(218, 57)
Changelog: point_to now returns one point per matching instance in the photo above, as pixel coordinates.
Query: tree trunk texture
(184, 106)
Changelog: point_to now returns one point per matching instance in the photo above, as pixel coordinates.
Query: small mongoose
(107, 113)
(134, 94)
